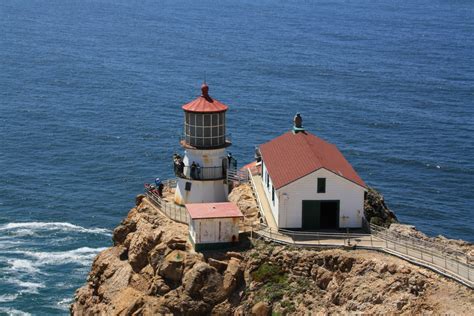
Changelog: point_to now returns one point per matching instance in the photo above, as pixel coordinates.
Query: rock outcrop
(376, 210)
(243, 197)
(152, 269)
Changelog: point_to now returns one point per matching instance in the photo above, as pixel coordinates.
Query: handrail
(420, 242)
(203, 173)
(259, 201)
(171, 210)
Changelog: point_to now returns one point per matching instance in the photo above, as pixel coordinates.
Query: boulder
(261, 309)
(140, 244)
(139, 198)
(172, 266)
(121, 231)
(203, 282)
(233, 276)
(176, 242)
(233, 254)
(218, 264)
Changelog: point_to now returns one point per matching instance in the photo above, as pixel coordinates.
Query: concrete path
(263, 202)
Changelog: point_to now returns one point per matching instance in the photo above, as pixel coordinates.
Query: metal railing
(203, 173)
(237, 175)
(442, 259)
(171, 210)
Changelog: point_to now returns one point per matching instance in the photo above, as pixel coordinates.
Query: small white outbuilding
(309, 184)
(213, 225)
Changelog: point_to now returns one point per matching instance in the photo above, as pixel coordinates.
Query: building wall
(214, 230)
(350, 195)
(205, 158)
(268, 192)
(201, 191)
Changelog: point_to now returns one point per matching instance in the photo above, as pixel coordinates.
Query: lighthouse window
(198, 131)
(207, 120)
(207, 132)
(199, 120)
(215, 119)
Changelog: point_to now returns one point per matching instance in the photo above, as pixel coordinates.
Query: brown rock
(140, 244)
(233, 254)
(139, 198)
(261, 309)
(204, 282)
(177, 243)
(219, 265)
(172, 266)
(233, 276)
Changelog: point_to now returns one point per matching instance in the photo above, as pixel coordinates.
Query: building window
(273, 195)
(268, 179)
(321, 185)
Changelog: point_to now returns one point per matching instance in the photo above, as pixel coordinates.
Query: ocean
(90, 109)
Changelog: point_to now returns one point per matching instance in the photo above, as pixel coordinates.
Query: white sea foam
(28, 287)
(82, 256)
(23, 265)
(8, 298)
(65, 303)
(32, 227)
(13, 312)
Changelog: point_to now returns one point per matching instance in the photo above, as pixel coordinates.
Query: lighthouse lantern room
(203, 169)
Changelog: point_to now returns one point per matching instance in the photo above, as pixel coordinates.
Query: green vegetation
(275, 282)
(268, 273)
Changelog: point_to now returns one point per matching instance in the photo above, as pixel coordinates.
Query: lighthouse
(202, 175)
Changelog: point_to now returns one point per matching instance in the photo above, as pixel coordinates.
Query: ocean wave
(32, 227)
(13, 312)
(27, 286)
(23, 265)
(8, 298)
(65, 303)
(82, 256)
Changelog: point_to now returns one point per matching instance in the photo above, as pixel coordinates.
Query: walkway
(265, 209)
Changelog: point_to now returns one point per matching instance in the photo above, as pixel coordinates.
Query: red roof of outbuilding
(294, 155)
(213, 210)
(204, 103)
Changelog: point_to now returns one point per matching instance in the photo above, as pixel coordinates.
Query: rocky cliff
(151, 269)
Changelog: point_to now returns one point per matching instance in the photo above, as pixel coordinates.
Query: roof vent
(298, 123)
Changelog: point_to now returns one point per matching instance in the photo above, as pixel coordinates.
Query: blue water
(90, 96)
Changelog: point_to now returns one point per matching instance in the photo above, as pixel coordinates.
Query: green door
(317, 214)
(311, 215)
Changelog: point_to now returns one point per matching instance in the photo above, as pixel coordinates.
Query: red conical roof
(205, 103)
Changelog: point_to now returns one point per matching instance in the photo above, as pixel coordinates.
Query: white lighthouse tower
(204, 167)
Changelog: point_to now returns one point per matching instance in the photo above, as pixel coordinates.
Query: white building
(213, 225)
(309, 184)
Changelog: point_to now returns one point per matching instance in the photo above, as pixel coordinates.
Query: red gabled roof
(213, 210)
(204, 103)
(293, 156)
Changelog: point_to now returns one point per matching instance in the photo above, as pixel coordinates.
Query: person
(181, 168)
(175, 164)
(198, 171)
(193, 170)
(160, 189)
(157, 182)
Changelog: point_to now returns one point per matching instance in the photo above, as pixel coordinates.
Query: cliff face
(152, 269)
